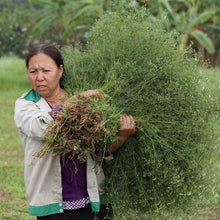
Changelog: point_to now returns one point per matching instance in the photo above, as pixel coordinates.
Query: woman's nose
(40, 76)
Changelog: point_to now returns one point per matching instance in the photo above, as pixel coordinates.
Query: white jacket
(43, 176)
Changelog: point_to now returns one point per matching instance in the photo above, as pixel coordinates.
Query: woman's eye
(46, 71)
(33, 71)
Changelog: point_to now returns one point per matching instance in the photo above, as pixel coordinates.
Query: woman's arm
(30, 119)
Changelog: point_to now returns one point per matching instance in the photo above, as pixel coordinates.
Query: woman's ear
(61, 70)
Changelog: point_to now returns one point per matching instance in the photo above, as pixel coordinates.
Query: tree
(187, 20)
(72, 18)
(15, 26)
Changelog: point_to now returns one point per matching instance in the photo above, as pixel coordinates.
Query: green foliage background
(15, 29)
(26, 23)
(164, 164)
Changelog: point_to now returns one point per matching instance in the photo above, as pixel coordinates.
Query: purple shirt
(73, 173)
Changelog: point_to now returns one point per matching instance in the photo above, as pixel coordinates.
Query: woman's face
(44, 75)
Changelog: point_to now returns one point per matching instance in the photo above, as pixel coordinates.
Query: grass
(14, 205)
(13, 80)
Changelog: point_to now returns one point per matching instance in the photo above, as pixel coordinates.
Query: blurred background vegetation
(25, 23)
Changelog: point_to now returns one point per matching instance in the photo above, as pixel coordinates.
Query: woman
(55, 189)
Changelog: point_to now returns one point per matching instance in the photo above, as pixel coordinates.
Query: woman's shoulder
(30, 96)
(21, 99)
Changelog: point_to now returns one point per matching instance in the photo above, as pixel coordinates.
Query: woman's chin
(43, 93)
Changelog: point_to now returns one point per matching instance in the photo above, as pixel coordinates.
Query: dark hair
(52, 52)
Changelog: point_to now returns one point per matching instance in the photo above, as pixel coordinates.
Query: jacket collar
(33, 96)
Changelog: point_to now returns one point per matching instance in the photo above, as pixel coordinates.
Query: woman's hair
(52, 52)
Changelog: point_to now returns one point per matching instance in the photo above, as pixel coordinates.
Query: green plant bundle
(85, 125)
(138, 65)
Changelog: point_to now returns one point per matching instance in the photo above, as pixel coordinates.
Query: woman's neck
(57, 98)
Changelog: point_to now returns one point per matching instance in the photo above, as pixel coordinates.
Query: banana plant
(194, 29)
(47, 18)
(188, 22)
(83, 14)
(71, 16)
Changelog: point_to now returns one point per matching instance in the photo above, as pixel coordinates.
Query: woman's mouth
(41, 88)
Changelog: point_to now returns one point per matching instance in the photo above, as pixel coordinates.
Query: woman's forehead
(41, 60)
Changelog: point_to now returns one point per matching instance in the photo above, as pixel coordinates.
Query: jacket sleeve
(30, 119)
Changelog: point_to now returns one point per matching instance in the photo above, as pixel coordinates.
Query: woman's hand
(127, 128)
(93, 93)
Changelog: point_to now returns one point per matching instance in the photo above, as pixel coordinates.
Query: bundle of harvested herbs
(85, 125)
(162, 166)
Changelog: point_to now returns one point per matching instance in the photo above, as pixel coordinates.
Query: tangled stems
(86, 125)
